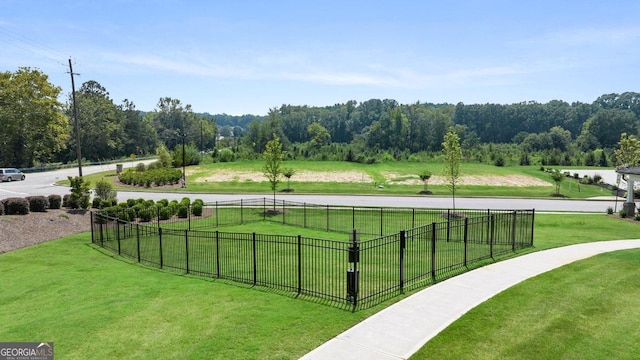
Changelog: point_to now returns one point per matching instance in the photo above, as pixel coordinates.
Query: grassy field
(370, 178)
(93, 305)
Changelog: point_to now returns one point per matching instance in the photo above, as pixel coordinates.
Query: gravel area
(18, 231)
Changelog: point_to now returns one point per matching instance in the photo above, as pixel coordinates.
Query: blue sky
(245, 57)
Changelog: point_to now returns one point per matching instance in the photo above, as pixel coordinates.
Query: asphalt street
(44, 184)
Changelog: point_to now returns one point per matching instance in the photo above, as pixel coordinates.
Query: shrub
(623, 213)
(54, 201)
(226, 155)
(80, 196)
(65, 200)
(637, 217)
(140, 167)
(16, 206)
(185, 201)
(146, 214)
(163, 202)
(104, 190)
(183, 211)
(95, 203)
(131, 202)
(38, 203)
(1, 208)
(165, 213)
(609, 210)
(196, 209)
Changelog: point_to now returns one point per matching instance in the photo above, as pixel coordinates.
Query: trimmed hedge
(16, 206)
(38, 203)
(55, 201)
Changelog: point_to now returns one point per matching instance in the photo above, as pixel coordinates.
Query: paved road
(42, 184)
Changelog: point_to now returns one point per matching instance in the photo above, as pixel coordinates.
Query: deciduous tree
(452, 153)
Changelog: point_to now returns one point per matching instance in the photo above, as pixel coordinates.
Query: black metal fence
(417, 247)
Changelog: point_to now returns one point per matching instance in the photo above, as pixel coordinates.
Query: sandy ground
(356, 176)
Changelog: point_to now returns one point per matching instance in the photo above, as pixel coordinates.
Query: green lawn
(372, 176)
(93, 305)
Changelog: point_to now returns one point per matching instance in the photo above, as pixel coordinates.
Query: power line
(33, 46)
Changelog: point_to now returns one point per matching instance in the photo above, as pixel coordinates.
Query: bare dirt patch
(18, 231)
(302, 176)
(490, 180)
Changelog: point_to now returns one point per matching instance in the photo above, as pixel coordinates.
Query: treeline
(551, 133)
(37, 129)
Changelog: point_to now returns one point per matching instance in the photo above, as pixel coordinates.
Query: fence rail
(403, 249)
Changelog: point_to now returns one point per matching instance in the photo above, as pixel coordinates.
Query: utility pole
(75, 117)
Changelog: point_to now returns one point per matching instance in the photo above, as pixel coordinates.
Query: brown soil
(18, 231)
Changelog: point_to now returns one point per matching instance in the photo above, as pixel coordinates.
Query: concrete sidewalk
(400, 330)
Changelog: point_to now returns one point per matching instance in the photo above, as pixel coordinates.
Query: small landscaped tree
(452, 156)
(425, 175)
(557, 178)
(273, 164)
(80, 193)
(628, 151)
(288, 173)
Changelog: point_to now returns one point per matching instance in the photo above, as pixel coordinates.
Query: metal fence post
(255, 261)
(433, 252)
(217, 253)
(304, 213)
(327, 217)
(533, 215)
(186, 248)
(283, 213)
(353, 273)
(241, 213)
(381, 225)
(118, 234)
(217, 219)
(160, 243)
(138, 240)
(466, 249)
(513, 230)
(403, 244)
(93, 240)
(299, 264)
(493, 230)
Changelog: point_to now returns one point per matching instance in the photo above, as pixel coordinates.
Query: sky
(246, 57)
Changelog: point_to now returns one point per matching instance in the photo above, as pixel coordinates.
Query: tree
(425, 175)
(273, 161)
(319, 135)
(288, 173)
(101, 124)
(452, 156)
(557, 178)
(628, 151)
(34, 127)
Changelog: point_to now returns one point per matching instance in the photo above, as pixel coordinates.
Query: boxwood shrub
(38, 203)
(55, 201)
(16, 206)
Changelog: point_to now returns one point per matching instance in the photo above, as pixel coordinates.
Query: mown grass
(373, 176)
(93, 305)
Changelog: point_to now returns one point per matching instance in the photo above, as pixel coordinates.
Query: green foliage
(38, 203)
(55, 201)
(191, 155)
(425, 175)
(226, 155)
(34, 128)
(183, 211)
(452, 154)
(609, 210)
(628, 152)
(273, 161)
(80, 193)
(557, 178)
(104, 190)
(623, 213)
(196, 209)
(288, 173)
(16, 206)
(164, 156)
(159, 177)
